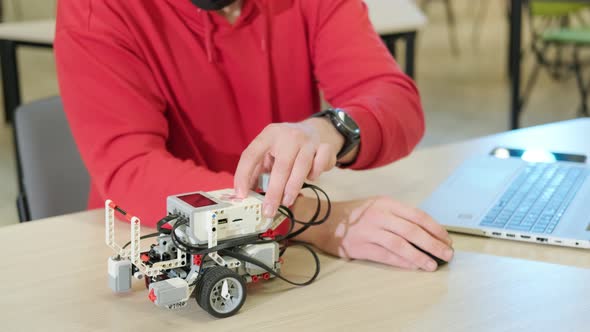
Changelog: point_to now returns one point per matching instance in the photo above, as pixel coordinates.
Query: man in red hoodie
(172, 96)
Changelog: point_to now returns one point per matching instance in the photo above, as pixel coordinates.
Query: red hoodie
(162, 97)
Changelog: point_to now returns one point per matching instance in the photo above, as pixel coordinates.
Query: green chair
(556, 44)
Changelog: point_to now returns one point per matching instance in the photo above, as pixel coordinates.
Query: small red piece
(269, 234)
(197, 259)
(266, 276)
(145, 257)
(152, 296)
(254, 278)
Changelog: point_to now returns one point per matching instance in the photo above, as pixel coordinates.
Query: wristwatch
(345, 126)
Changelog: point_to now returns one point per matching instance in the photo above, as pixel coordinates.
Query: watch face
(347, 122)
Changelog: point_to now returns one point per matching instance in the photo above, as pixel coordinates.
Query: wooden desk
(54, 274)
(12, 35)
(398, 20)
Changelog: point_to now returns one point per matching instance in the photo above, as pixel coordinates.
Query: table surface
(55, 278)
(388, 17)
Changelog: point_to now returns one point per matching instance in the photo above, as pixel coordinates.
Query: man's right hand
(379, 229)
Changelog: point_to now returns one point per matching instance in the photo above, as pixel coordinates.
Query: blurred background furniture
(395, 21)
(13, 35)
(52, 178)
(556, 41)
(451, 22)
(558, 36)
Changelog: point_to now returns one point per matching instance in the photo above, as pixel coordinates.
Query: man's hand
(291, 153)
(381, 230)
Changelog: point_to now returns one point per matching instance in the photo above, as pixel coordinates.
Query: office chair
(480, 14)
(451, 23)
(52, 179)
(556, 45)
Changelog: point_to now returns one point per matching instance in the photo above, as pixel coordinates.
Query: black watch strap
(346, 126)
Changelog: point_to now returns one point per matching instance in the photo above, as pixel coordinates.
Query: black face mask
(212, 4)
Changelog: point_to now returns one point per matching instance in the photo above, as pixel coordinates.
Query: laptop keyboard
(537, 199)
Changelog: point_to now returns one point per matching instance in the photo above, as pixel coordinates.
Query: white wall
(28, 9)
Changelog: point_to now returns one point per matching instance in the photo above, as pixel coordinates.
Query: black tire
(209, 295)
(198, 286)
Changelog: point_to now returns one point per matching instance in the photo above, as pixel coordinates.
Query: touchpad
(480, 176)
(472, 189)
(480, 179)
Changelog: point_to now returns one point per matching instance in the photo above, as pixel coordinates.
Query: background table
(396, 20)
(55, 278)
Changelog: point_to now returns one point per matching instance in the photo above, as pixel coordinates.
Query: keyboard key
(487, 220)
(538, 229)
(518, 227)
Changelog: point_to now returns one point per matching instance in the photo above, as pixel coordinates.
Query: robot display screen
(197, 200)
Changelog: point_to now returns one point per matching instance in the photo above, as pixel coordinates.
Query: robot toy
(210, 245)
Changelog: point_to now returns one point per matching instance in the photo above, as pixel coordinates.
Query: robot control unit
(210, 245)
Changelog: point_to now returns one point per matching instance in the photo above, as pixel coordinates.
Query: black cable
(290, 234)
(142, 238)
(167, 219)
(200, 272)
(174, 238)
(312, 221)
(270, 270)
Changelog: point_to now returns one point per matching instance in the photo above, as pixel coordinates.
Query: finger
(283, 164)
(268, 162)
(417, 235)
(422, 219)
(251, 157)
(400, 246)
(324, 160)
(301, 168)
(376, 253)
(253, 184)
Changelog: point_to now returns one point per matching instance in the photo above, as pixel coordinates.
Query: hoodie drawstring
(209, 46)
(266, 26)
(265, 8)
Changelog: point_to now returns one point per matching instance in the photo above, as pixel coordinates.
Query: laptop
(531, 196)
